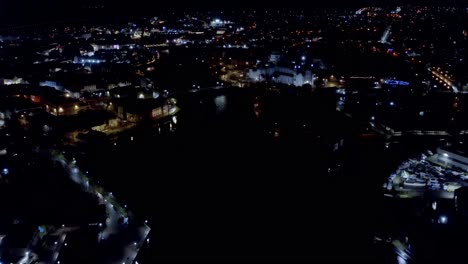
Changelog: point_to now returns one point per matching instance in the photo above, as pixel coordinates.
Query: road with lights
(444, 79)
(114, 212)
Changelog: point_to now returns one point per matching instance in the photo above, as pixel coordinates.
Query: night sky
(15, 12)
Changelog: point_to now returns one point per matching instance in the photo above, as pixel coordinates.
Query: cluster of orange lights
(442, 77)
(394, 15)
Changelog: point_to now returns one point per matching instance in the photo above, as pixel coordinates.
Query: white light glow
(443, 219)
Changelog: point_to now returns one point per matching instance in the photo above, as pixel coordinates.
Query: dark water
(221, 187)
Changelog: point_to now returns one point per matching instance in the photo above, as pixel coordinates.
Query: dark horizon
(24, 12)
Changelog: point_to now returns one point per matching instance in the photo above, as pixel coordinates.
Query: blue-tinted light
(396, 82)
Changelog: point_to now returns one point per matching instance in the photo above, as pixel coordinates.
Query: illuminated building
(282, 75)
(135, 110)
(62, 106)
(219, 23)
(88, 60)
(11, 81)
(453, 157)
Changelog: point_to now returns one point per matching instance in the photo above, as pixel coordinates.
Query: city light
(443, 219)
(396, 82)
(313, 80)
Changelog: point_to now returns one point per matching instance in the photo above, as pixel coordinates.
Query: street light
(443, 219)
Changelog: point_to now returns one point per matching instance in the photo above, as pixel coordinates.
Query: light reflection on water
(401, 260)
(220, 103)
